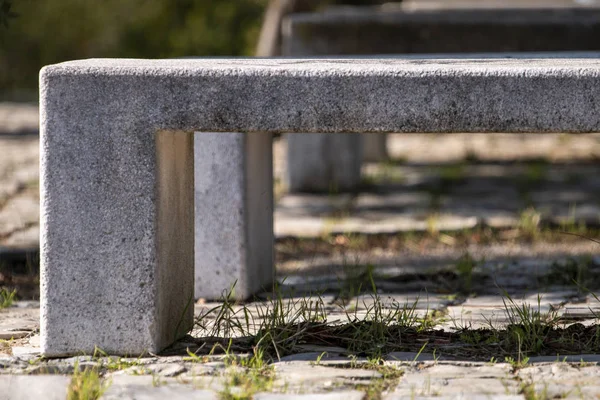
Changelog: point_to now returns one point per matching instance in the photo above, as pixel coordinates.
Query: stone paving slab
(19, 118)
(23, 387)
(499, 203)
(146, 387)
(342, 395)
(457, 381)
(329, 377)
(507, 147)
(563, 380)
(484, 311)
(19, 195)
(490, 194)
(19, 322)
(19, 213)
(580, 360)
(511, 264)
(463, 387)
(302, 374)
(457, 396)
(421, 301)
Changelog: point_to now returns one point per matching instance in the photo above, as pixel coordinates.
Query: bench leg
(375, 147)
(234, 214)
(117, 261)
(322, 162)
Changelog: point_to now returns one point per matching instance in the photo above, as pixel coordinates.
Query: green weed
(528, 390)
(528, 328)
(7, 297)
(452, 173)
(86, 384)
(390, 377)
(535, 172)
(246, 376)
(113, 363)
(465, 267)
(529, 223)
(571, 225)
(433, 224)
(357, 279)
(370, 325)
(387, 172)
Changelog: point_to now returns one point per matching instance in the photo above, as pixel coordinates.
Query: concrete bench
(322, 162)
(117, 198)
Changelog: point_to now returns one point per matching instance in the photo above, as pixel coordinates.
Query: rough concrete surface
(512, 93)
(101, 245)
(22, 387)
(234, 214)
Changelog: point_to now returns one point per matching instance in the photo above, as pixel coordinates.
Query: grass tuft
(529, 223)
(246, 376)
(370, 325)
(86, 384)
(113, 363)
(528, 328)
(465, 267)
(7, 297)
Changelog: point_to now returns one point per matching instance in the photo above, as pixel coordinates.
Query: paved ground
(452, 182)
(452, 228)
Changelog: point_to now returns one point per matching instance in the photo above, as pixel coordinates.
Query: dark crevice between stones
(20, 269)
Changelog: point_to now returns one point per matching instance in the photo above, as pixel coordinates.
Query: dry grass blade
(581, 236)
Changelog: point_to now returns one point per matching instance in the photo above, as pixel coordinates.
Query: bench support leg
(323, 162)
(117, 239)
(375, 147)
(234, 214)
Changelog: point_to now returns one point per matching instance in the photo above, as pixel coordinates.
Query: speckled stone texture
(420, 27)
(117, 154)
(234, 214)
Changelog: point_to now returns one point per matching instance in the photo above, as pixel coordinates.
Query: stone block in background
(234, 213)
(421, 27)
(418, 27)
(321, 162)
